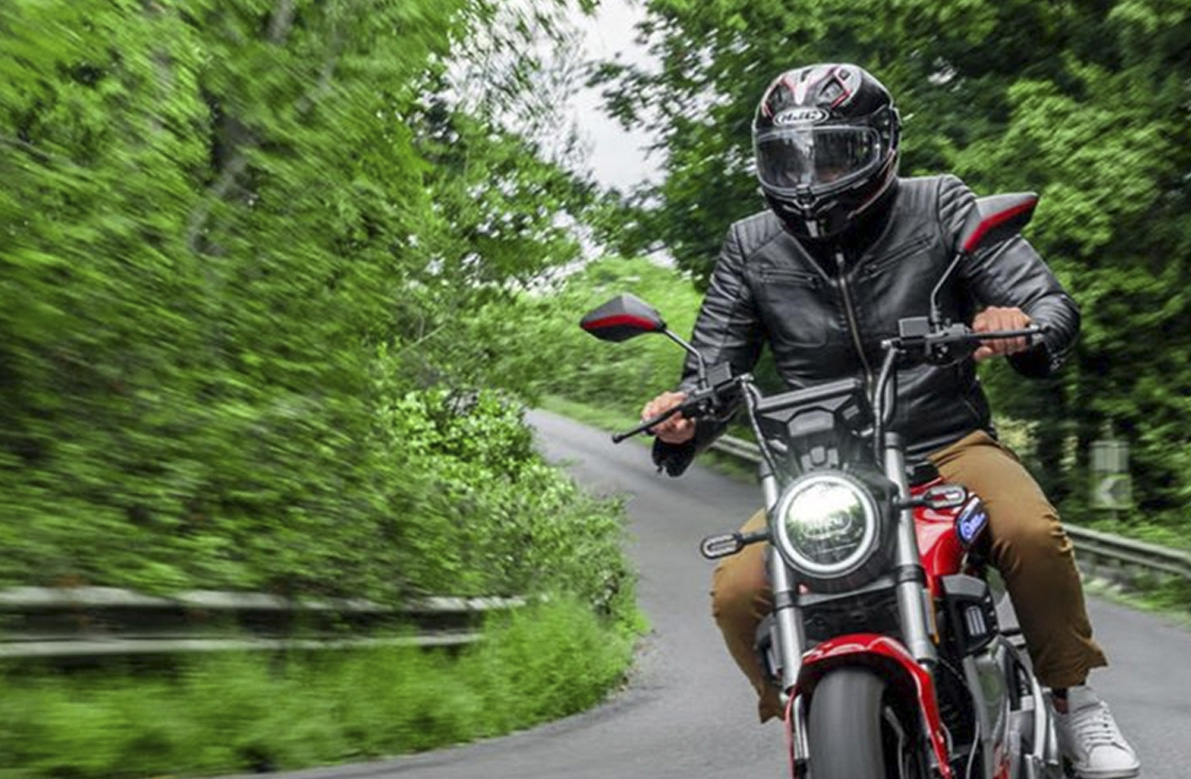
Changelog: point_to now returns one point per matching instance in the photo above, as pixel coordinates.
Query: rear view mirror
(621, 318)
(995, 219)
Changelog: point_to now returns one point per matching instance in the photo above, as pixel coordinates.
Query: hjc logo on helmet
(793, 116)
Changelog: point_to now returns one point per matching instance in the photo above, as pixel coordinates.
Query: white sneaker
(1090, 739)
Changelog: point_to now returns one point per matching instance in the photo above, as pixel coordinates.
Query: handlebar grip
(1032, 334)
(1025, 332)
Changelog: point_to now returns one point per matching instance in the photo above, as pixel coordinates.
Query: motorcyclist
(845, 249)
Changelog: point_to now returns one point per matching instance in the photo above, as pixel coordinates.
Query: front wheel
(854, 733)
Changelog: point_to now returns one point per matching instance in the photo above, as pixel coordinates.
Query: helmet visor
(819, 158)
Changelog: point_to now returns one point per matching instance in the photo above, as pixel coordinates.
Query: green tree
(237, 236)
(1086, 103)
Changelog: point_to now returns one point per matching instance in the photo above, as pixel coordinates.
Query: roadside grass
(602, 418)
(254, 712)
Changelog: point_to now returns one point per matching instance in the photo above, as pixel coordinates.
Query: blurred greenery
(1085, 103)
(616, 377)
(243, 246)
(259, 257)
(247, 248)
(250, 713)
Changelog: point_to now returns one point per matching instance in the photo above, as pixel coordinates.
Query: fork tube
(912, 598)
(786, 614)
(789, 620)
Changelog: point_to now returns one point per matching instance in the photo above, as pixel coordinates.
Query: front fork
(915, 609)
(913, 598)
(790, 639)
(914, 605)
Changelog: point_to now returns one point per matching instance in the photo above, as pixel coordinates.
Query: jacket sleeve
(727, 330)
(1012, 274)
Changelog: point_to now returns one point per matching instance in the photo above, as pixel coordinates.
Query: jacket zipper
(853, 326)
(772, 274)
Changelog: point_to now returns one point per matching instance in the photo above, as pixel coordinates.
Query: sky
(617, 157)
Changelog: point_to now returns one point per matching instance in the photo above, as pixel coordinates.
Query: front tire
(853, 733)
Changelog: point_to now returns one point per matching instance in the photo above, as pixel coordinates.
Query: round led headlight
(827, 525)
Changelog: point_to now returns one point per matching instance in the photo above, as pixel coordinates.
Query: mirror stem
(690, 350)
(935, 314)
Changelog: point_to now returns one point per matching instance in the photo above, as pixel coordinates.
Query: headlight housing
(830, 528)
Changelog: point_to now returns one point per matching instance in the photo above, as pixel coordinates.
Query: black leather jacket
(825, 320)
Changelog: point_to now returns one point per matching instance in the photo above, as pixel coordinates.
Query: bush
(244, 713)
(452, 499)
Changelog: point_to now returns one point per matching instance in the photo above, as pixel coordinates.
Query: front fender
(892, 662)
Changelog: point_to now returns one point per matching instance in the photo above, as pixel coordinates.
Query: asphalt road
(687, 712)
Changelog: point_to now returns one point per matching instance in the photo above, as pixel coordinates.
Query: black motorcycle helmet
(826, 139)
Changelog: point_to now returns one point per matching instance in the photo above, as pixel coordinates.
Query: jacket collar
(857, 243)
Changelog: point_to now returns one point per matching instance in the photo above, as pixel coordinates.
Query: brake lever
(712, 399)
(691, 404)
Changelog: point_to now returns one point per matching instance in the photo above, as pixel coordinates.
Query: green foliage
(454, 500)
(243, 242)
(567, 361)
(239, 714)
(248, 250)
(1086, 103)
(607, 384)
(491, 517)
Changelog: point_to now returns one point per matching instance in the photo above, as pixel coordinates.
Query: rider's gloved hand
(996, 318)
(675, 430)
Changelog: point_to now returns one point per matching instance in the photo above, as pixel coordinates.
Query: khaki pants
(1029, 547)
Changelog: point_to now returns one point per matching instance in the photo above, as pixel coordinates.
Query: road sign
(1112, 489)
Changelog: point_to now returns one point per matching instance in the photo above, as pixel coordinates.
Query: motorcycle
(892, 646)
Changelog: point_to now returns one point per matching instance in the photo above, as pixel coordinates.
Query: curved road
(687, 712)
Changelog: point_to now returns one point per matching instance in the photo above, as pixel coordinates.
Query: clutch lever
(699, 404)
(641, 428)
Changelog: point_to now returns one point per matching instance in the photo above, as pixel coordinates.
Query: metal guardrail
(62, 623)
(739, 448)
(1103, 555)
(1124, 560)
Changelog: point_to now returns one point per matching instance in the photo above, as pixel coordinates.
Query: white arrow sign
(1112, 491)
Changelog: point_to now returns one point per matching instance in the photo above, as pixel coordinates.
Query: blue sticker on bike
(971, 521)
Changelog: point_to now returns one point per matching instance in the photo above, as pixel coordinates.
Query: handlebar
(938, 343)
(960, 334)
(1028, 332)
(942, 346)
